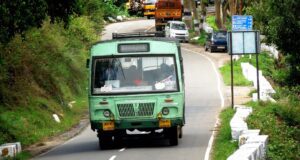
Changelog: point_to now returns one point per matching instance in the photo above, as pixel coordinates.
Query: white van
(177, 29)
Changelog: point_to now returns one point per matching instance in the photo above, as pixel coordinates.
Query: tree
(16, 16)
(280, 22)
(218, 10)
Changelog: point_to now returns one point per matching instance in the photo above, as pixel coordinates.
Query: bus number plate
(164, 123)
(108, 126)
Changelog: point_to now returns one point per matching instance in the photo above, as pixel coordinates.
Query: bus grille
(142, 110)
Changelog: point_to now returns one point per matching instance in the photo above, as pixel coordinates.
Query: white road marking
(112, 157)
(121, 150)
(211, 139)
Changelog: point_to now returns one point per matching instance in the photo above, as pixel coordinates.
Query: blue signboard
(242, 23)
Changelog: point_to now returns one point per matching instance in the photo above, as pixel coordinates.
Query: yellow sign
(108, 126)
(164, 123)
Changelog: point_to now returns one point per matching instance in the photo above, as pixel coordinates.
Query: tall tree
(196, 18)
(232, 6)
(218, 10)
(16, 16)
(19, 15)
(279, 21)
(187, 10)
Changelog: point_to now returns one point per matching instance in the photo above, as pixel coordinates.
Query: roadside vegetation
(279, 120)
(223, 145)
(42, 65)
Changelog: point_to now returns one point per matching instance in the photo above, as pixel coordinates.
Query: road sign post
(243, 40)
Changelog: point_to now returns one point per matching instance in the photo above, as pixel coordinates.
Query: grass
(223, 145)
(266, 64)
(29, 124)
(20, 156)
(283, 137)
(238, 77)
(202, 38)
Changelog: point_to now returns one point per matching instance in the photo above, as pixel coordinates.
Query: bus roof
(157, 45)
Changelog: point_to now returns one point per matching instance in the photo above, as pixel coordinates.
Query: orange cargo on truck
(167, 10)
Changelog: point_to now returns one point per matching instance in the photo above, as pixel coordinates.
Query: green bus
(136, 82)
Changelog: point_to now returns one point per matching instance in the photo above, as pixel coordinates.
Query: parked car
(178, 30)
(216, 41)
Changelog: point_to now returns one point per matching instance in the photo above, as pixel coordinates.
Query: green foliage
(110, 9)
(266, 64)
(61, 10)
(43, 68)
(19, 16)
(45, 60)
(211, 20)
(279, 21)
(289, 110)
(30, 124)
(283, 139)
(202, 38)
(223, 146)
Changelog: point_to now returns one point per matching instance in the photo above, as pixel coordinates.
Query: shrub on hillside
(48, 62)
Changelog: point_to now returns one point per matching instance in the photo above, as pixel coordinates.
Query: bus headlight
(106, 113)
(165, 111)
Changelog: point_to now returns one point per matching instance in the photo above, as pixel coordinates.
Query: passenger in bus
(132, 77)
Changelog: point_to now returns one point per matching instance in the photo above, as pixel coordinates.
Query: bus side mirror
(87, 63)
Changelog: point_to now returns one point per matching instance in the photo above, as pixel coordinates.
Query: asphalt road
(203, 101)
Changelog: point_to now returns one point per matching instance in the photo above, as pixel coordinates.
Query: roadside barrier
(10, 150)
(252, 146)
(266, 89)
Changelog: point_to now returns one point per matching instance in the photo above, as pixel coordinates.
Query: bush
(283, 139)
(211, 20)
(40, 74)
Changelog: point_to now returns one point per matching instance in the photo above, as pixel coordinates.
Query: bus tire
(173, 135)
(118, 138)
(105, 142)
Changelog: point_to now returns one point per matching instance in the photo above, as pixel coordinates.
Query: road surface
(203, 101)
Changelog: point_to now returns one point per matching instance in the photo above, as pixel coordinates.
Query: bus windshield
(150, 2)
(116, 75)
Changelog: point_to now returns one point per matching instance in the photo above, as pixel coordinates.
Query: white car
(178, 30)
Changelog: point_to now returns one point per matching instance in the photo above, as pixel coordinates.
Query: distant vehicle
(216, 41)
(134, 6)
(136, 83)
(178, 30)
(149, 8)
(167, 10)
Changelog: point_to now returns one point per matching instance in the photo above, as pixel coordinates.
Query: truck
(136, 83)
(167, 10)
(149, 8)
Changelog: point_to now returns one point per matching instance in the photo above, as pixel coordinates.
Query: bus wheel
(118, 138)
(148, 17)
(173, 135)
(105, 141)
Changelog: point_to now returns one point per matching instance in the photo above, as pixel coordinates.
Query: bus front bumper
(136, 124)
